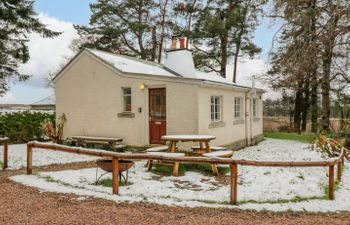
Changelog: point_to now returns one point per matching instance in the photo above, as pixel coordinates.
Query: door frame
(155, 87)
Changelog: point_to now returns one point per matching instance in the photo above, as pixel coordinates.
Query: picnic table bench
(111, 141)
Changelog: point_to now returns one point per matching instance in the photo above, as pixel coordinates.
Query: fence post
(234, 177)
(331, 183)
(115, 175)
(339, 165)
(5, 165)
(29, 158)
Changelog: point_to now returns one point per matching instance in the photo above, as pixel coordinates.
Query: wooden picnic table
(203, 141)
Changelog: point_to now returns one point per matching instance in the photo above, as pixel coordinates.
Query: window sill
(238, 121)
(216, 124)
(256, 119)
(126, 114)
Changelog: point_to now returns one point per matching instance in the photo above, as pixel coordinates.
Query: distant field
(303, 137)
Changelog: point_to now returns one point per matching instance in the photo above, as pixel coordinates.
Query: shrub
(329, 147)
(54, 131)
(21, 127)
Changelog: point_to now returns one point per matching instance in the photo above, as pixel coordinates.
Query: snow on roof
(132, 65)
(46, 101)
(128, 64)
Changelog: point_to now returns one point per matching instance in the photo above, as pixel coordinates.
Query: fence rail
(5, 141)
(331, 163)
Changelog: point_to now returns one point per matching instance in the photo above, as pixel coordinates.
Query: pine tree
(313, 40)
(17, 19)
(127, 27)
(219, 30)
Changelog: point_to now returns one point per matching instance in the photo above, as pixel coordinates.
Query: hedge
(21, 127)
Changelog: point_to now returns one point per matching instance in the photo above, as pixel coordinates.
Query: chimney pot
(173, 42)
(182, 42)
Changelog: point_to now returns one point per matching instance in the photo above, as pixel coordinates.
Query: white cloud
(7, 99)
(246, 69)
(46, 55)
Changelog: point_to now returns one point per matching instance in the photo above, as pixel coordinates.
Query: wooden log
(170, 146)
(233, 178)
(331, 183)
(207, 147)
(339, 170)
(215, 170)
(102, 153)
(176, 169)
(5, 164)
(29, 159)
(201, 145)
(149, 165)
(115, 175)
(173, 146)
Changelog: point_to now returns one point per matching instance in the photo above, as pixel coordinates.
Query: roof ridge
(159, 65)
(128, 57)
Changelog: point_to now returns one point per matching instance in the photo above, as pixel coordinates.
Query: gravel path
(25, 205)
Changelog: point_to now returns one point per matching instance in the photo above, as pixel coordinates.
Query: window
(127, 99)
(215, 108)
(238, 108)
(255, 107)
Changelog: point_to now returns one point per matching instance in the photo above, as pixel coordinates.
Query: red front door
(157, 115)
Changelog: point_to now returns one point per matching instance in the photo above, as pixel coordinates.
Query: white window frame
(255, 107)
(216, 116)
(238, 102)
(125, 95)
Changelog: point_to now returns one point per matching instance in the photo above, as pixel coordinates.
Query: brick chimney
(180, 60)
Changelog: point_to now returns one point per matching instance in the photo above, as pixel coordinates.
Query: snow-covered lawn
(17, 157)
(260, 188)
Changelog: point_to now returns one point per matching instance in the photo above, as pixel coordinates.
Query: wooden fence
(228, 161)
(4, 141)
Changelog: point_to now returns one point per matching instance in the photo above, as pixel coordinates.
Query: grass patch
(303, 137)
(52, 180)
(167, 170)
(108, 183)
(1, 164)
(48, 179)
(283, 201)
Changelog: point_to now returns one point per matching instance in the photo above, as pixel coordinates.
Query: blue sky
(78, 12)
(75, 11)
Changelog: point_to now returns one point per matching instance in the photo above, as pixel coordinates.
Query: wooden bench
(218, 154)
(111, 141)
(213, 148)
(157, 149)
(166, 154)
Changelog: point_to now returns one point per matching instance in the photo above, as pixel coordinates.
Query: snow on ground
(17, 157)
(261, 184)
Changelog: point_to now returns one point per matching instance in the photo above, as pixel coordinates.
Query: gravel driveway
(25, 205)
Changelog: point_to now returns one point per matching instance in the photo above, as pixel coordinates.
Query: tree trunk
(328, 44)
(314, 116)
(162, 32)
(325, 86)
(313, 73)
(224, 42)
(154, 44)
(298, 106)
(305, 103)
(235, 61)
